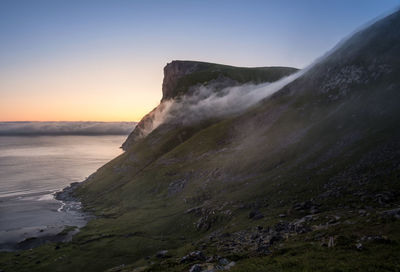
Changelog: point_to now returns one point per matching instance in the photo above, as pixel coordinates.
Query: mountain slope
(307, 179)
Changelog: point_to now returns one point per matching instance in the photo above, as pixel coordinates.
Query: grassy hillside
(307, 180)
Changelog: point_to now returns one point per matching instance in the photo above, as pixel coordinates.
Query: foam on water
(32, 169)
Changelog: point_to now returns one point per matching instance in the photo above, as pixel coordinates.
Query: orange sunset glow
(88, 92)
(61, 62)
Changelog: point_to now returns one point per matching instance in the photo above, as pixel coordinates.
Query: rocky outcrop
(174, 71)
(143, 127)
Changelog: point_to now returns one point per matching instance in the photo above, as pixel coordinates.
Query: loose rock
(195, 268)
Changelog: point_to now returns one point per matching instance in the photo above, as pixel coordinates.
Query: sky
(84, 60)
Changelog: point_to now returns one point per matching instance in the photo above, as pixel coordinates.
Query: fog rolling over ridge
(206, 101)
(65, 128)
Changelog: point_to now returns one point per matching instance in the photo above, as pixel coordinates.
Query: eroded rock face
(174, 71)
(142, 128)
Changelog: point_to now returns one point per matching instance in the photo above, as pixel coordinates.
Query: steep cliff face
(174, 71)
(181, 76)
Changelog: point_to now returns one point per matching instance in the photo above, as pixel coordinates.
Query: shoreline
(66, 194)
(54, 219)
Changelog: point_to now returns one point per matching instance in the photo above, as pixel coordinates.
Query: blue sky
(65, 55)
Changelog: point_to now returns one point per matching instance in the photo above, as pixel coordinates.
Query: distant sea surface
(32, 168)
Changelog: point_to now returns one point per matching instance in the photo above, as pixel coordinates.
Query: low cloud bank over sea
(65, 128)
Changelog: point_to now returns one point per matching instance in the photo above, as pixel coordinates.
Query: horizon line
(66, 121)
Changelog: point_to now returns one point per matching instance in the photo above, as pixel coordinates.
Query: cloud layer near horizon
(65, 128)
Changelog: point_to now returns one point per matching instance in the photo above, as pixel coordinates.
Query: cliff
(173, 72)
(180, 78)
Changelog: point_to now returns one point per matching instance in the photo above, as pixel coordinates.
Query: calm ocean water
(46, 163)
(32, 168)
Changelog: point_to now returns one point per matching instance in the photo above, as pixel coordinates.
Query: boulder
(195, 268)
(162, 254)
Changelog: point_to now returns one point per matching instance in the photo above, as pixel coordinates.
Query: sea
(33, 168)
